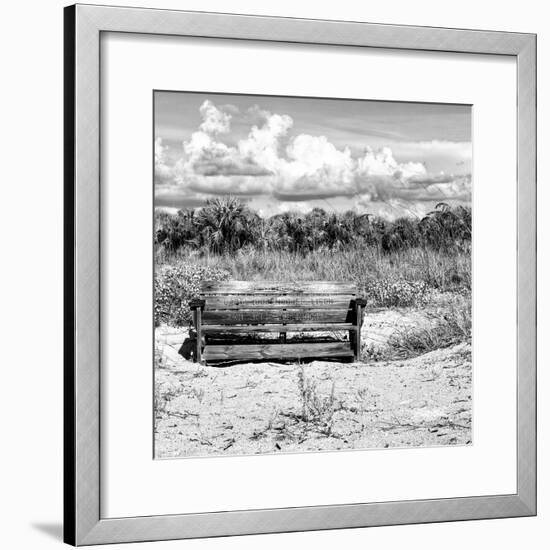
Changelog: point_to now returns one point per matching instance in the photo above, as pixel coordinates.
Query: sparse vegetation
(163, 396)
(316, 407)
(320, 406)
(449, 327)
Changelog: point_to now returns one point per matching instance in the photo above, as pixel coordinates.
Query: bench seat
(277, 351)
(278, 328)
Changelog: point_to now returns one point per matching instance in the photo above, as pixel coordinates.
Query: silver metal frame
(83, 25)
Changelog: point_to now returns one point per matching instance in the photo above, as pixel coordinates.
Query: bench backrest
(250, 303)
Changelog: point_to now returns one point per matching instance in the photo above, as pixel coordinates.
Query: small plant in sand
(164, 394)
(273, 417)
(315, 407)
(372, 352)
(198, 393)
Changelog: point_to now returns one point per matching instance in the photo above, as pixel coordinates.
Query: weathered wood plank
(276, 316)
(291, 327)
(276, 284)
(277, 351)
(279, 302)
(275, 287)
(266, 293)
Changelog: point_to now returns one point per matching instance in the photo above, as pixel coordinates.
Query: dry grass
(316, 407)
(362, 265)
(398, 279)
(450, 326)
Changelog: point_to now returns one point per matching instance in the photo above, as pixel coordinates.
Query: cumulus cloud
(164, 172)
(262, 144)
(297, 207)
(311, 195)
(214, 120)
(415, 199)
(224, 185)
(315, 165)
(396, 208)
(429, 179)
(457, 152)
(207, 158)
(172, 197)
(295, 168)
(381, 162)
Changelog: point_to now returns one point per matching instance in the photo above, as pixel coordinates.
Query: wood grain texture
(291, 327)
(275, 287)
(276, 316)
(277, 351)
(274, 301)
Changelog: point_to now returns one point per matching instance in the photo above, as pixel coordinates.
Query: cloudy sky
(283, 153)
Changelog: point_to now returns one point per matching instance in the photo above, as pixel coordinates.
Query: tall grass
(362, 266)
(398, 279)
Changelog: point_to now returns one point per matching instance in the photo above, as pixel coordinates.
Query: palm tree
(291, 231)
(172, 232)
(446, 228)
(226, 224)
(337, 231)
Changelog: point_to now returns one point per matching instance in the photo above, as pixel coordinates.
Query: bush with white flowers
(389, 292)
(175, 286)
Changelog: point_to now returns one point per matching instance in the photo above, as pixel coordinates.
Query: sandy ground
(275, 407)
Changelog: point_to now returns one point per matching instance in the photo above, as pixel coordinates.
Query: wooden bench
(232, 317)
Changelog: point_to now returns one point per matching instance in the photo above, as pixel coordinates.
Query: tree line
(226, 224)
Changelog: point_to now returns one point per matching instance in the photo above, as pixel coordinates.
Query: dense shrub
(396, 293)
(175, 286)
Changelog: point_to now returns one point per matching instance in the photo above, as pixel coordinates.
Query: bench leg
(352, 334)
(357, 335)
(197, 315)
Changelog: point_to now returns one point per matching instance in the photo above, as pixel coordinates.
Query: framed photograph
(300, 275)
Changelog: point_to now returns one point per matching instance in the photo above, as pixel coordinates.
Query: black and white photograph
(312, 274)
